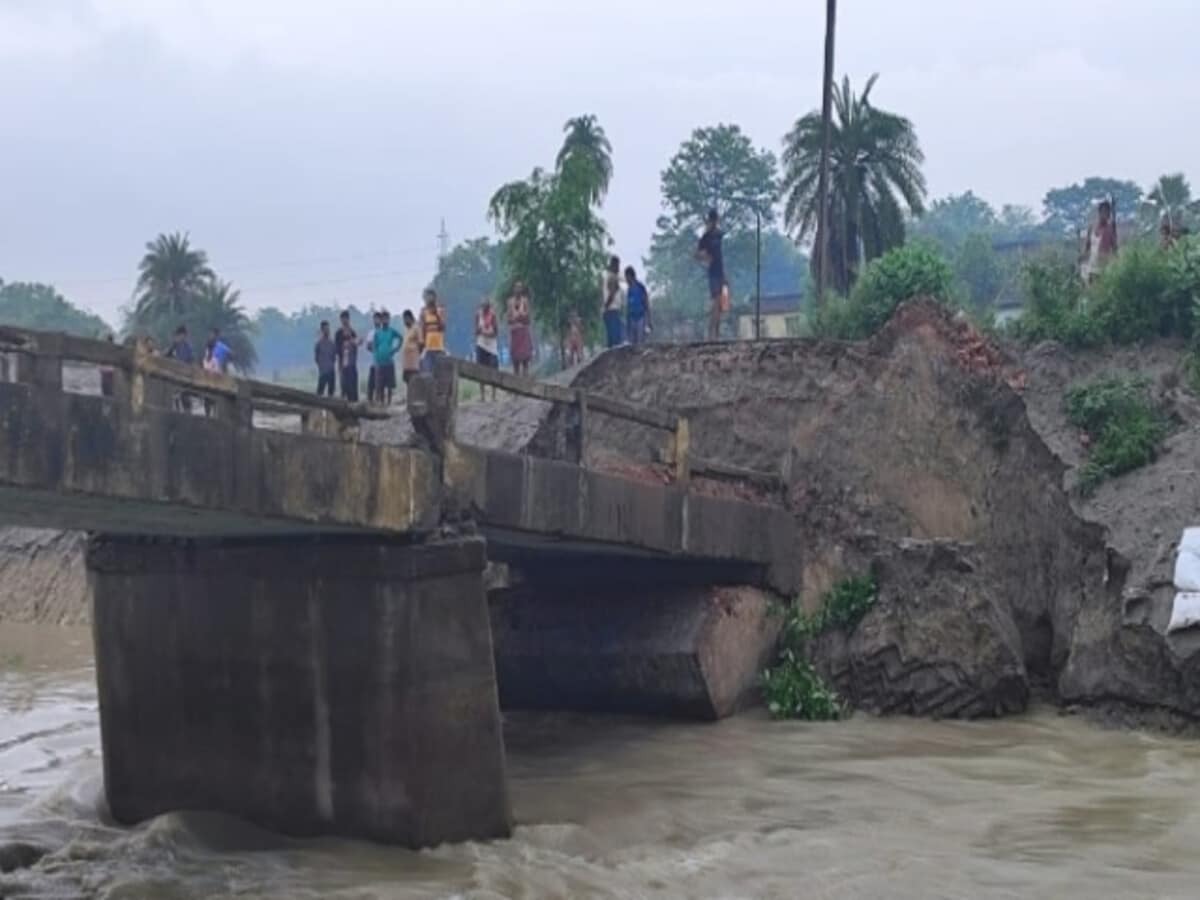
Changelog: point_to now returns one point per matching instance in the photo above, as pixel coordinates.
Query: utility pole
(757, 274)
(443, 242)
(827, 128)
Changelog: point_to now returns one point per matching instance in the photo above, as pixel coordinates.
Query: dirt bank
(942, 464)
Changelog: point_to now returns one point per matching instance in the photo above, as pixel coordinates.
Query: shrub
(1125, 430)
(1145, 292)
(1133, 298)
(914, 270)
(1054, 307)
(794, 690)
(792, 687)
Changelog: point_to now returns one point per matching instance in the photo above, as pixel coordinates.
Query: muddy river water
(1040, 806)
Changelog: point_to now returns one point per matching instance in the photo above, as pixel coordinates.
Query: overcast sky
(312, 148)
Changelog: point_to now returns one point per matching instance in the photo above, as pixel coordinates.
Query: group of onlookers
(625, 310)
(625, 306)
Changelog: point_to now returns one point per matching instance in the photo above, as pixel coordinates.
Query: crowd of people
(625, 311)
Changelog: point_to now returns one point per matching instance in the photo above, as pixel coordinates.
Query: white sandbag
(1186, 612)
(1187, 564)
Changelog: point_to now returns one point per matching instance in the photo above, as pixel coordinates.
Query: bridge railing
(64, 362)
(580, 406)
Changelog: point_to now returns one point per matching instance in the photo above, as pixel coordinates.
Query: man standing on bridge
(710, 255)
(346, 342)
(325, 355)
(386, 344)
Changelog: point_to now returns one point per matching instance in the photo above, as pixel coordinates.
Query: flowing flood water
(1042, 806)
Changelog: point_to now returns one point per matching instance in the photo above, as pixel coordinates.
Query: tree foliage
(465, 274)
(169, 276)
(914, 270)
(717, 168)
(874, 173)
(41, 307)
(177, 286)
(587, 151)
(1069, 209)
(555, 240)
(1169, 200)
(950, 220)
(285, 340)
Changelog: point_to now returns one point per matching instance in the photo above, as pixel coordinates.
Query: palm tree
(169, 274)
(217, 304)
(1170, 199)
(874, 170)
(586, 153)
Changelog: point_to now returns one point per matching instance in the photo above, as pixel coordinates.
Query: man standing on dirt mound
(708, 252)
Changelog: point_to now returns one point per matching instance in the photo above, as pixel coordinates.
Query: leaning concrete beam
(547, 501)
(686, 652)
(316, 688)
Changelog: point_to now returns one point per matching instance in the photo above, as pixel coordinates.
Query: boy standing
(347, 354)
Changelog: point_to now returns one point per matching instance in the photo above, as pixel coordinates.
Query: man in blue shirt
(221, 352)
(384, 347)
(637, 307)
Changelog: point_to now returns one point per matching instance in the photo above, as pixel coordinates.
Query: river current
(1037, 806)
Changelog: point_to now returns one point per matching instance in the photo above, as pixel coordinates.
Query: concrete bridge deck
(132, 463)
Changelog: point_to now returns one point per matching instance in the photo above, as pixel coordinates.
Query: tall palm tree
(586, 153)
(217, 304)
(169, 274)
(1170, 199)
(874, 171)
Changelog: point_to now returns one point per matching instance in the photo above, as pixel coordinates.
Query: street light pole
(827, 128)
(757, 275)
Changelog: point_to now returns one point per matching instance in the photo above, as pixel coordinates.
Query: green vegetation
(1124, 429)
(794, 690)
(792, 687)
(555, 236)
(176, 286)
(41, 307)
(914, 270)
(874, 174)
(1145, 292)
(717, 168)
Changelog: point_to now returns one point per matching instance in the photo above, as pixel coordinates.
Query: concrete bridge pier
(313, 686)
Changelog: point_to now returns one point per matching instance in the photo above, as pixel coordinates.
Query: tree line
(552, 235)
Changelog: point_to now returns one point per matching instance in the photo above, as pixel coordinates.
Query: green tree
(980, 271)
(1017, 222)
(41, 307)
(1169, 199)
(719, 168)
(951, 220)
(875, 171)
(586, 148)
(716, 168)
(555, 242)
(169, 275)
(465, 274)
(1069, 209)
(285, 340)
(218, 305)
